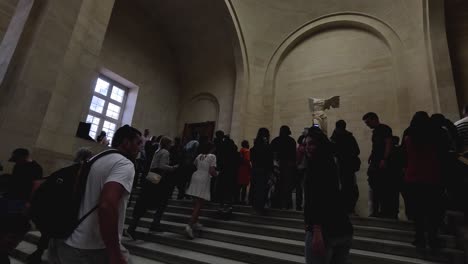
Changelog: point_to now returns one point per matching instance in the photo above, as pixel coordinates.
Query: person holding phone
(329, 231)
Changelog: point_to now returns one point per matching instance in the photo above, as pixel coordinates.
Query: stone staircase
(276, 238)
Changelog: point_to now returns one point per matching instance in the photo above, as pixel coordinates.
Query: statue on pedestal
(318, 107)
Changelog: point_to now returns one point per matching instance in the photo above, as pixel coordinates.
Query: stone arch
(339, 20)
(242, 75)
(200, 108)
(439, 65)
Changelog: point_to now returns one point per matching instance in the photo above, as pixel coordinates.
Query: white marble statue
(318, 107)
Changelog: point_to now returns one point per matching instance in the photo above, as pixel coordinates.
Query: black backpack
(56, 204)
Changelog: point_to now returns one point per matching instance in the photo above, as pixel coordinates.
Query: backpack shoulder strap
(102, 154)
(86, 174)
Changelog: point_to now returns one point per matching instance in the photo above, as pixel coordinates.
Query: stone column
(51, 86)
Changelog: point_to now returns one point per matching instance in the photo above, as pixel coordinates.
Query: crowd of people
(320, 170)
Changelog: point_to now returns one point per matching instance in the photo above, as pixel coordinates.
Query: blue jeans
(337, 250)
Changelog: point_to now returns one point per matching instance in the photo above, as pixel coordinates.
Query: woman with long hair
(199, 187)
(423, 179)
(328, 229)
(261, 156)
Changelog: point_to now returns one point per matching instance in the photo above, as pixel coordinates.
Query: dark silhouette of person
(228, 161)
(261, 156)
(25, 172)
(329, 232)
(424, 179)
(347, 152)
(284, 152)
(378, 175)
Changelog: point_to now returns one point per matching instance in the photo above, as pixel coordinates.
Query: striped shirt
(462, 128)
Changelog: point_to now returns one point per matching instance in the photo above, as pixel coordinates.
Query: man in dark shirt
(176, 157)
(228, 160)
(284, 152)
(347, 153)
(377, 172)
(25, 172)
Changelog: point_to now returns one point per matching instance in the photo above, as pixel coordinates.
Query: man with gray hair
(82, 154)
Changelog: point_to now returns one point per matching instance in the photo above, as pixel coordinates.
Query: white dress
(201, 178)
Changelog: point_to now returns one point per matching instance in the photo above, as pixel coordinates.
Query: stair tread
(181, 252)
(393, 257)
(141, 260)
(15, 261)
(26, 247)
(290, 257)
(297, 215)
(389, 224)
(284, 241)
(237, 247)
(238, 222)
(290, 229)
(241, 234)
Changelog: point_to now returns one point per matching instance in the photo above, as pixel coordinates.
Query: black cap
(19, 153)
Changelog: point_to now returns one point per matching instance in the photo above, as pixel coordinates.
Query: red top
(245, 167)
(423, 165)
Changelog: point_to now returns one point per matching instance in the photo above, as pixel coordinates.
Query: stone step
(15, 261)
(296, 247)
(179, 214)
(255, 255)
(23, 250)
(298, 215)
(174, 249)
(146, 252)
(221, 249)
(26, 248)
(294, 222)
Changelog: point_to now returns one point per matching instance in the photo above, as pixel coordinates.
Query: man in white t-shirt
(98, 238)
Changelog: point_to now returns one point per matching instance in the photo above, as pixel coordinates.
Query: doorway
(205, 130)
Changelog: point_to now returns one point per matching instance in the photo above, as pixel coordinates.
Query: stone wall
(135, 49)
(244, 63)
(271, 29)
(7, 10)
(49, 89)
(203, 46)
(387, 56)
(457, 35)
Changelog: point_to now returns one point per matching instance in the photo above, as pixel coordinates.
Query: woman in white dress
(199, 187)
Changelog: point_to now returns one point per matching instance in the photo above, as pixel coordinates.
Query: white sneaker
(197, 226)
(189, 232)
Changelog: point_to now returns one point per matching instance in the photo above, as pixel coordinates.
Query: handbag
(153, 177)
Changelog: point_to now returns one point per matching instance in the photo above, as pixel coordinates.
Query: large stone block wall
(272, 27)
(456, 14)
(206, 63)
(51, 90)
(7, 10)
(49, 87)
(386, 56)
(136, 49)
(361, 72)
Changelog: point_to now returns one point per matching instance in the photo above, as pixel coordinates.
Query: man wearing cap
(24, 173)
